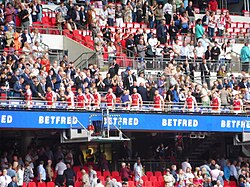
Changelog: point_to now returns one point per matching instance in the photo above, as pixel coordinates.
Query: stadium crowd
(67, 168)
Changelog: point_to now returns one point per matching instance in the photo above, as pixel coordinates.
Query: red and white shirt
(190, 100)
(70, 99)
(158, 101)
(97, 99)
(50, 98)
(89, 99)
(237, 104)
(110, 97)
(80, 98)
(136, 98)
(215, 103)
(28, 95)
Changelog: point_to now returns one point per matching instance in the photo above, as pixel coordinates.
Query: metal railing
(147, 106)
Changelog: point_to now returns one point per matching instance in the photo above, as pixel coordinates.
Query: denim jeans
(210, 32)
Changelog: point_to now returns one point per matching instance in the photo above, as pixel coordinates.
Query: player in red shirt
(215, 102)
(136, 100)
(213, 5)
(158, 101)
(90, 99)
(28, 96)
(80, 99)
(237, 104)
(190, 102)
(70, 98)
(50, 97)
(111, 99)
(97, 99)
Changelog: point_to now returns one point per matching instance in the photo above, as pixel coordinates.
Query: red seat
(24, 184)
(79, 176)
(41, 184)
(31, 184)
(115, 173)
(78, 184)
(158, 174)
(50, 184)
(158, 184)
(147, 183)
(149, 174)
(153, 178)
(105, 174)
(53, 21)
(144, 178)
(101, 178)
(45, 19)
(98, 173)
(160, 178)
(76, 169)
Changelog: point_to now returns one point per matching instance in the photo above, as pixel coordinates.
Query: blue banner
(127, 121)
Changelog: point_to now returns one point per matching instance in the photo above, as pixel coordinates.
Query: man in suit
(161, 32)
(26, 37)
(13, 182)
(189, 69)
(18, 88)
(205, 72)
(215, 53)
(129, 80)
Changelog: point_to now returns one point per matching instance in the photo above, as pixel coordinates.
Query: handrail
(120, 107)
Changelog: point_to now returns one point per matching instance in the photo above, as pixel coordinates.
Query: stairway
(201, 146)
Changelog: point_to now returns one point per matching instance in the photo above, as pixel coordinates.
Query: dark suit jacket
(204, 72)
(127, 83)
(24, 38)
(12, 184)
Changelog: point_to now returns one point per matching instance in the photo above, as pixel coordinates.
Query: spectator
(168, 179)
(41, 173)
(190, 12)
(199, 30)
(69, 175)
(85, 178)
(205, 72)
(159, 15)
(24, 16)
(213, 5)
(245, 57)
(161, 32)
(221, 23)
(130, 45)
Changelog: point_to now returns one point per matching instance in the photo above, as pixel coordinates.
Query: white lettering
(125, 121)
(130, 121)
(3, 119)
(195, 123)
(164, 122)
(136, 121)
(223, 123)
(170, 122)
(52, 119)
(46, 120)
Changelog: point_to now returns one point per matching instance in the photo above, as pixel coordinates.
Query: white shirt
(200, 51)
(214, 174)
(60, 167)
(42, 172)
(184, 51)
(168, 8)
(185, 165)
(5, 180)
(153, 42)
(20, 177)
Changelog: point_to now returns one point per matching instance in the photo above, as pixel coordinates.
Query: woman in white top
(111, 51)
